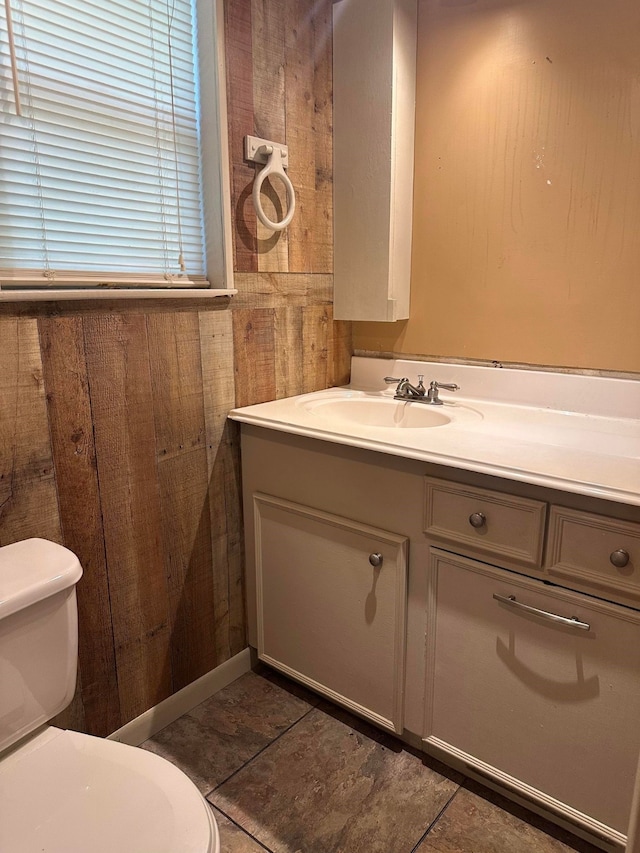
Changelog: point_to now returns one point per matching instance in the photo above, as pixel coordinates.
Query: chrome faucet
(405, 390)
(432, 394)
(418, 393)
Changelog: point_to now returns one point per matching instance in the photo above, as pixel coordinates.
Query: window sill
(113, 293)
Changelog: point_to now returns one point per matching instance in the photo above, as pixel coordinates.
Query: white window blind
(99, 149)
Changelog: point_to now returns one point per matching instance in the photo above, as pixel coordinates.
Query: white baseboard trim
(152, 721)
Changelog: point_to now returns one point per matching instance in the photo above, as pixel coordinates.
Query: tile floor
(287, 772)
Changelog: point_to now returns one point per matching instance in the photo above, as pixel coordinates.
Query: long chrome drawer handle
(544, 614)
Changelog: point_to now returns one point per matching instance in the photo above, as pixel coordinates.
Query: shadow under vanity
(492, 620)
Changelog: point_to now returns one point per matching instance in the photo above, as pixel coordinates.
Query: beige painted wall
(527, 186)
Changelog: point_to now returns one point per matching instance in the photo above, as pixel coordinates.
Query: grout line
(436, 819)
(241, 828)
(260, 751)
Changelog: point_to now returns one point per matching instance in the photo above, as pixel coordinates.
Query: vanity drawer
(501, 525)
(593, 549)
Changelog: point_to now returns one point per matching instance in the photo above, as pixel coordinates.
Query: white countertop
(507, 423)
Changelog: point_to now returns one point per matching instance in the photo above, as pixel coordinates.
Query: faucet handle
(432, 395)
(391, 379)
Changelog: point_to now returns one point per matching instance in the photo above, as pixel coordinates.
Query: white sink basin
(379, 412)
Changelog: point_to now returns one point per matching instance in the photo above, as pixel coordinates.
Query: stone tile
(327, 787)
(217, 737)
(232, 838)
(479, 821)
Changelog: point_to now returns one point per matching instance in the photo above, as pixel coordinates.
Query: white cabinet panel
(374, 80)
(326, 616)
(537, 704)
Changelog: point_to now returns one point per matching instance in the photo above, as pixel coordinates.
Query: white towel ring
(275, 168)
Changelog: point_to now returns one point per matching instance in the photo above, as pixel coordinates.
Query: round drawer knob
(619, 558)
(477, 519)
(375, 560)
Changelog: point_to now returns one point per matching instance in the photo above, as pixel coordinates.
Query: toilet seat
(65, 792)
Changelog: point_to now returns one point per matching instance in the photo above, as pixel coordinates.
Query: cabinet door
(549, 709)
(328, 617)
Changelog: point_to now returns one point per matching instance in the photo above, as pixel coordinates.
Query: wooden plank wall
(113, 432)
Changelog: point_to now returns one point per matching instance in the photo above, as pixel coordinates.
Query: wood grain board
(268, 61)
(28, 502)
(117, 351)
(71, 425)
(322, 134)
(114, 438)
(285, 47)
(240, 112)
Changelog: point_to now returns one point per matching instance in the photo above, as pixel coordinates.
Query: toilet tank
(38, 635)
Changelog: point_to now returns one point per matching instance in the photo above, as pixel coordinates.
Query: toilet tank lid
(32, 570)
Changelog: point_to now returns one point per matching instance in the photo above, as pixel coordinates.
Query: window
(101, 178)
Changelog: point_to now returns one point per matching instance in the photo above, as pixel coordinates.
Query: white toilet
(60, 791)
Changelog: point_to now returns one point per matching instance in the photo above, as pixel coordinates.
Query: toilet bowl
(62, 791)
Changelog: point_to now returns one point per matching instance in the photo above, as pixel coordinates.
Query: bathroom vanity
(471, 585)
